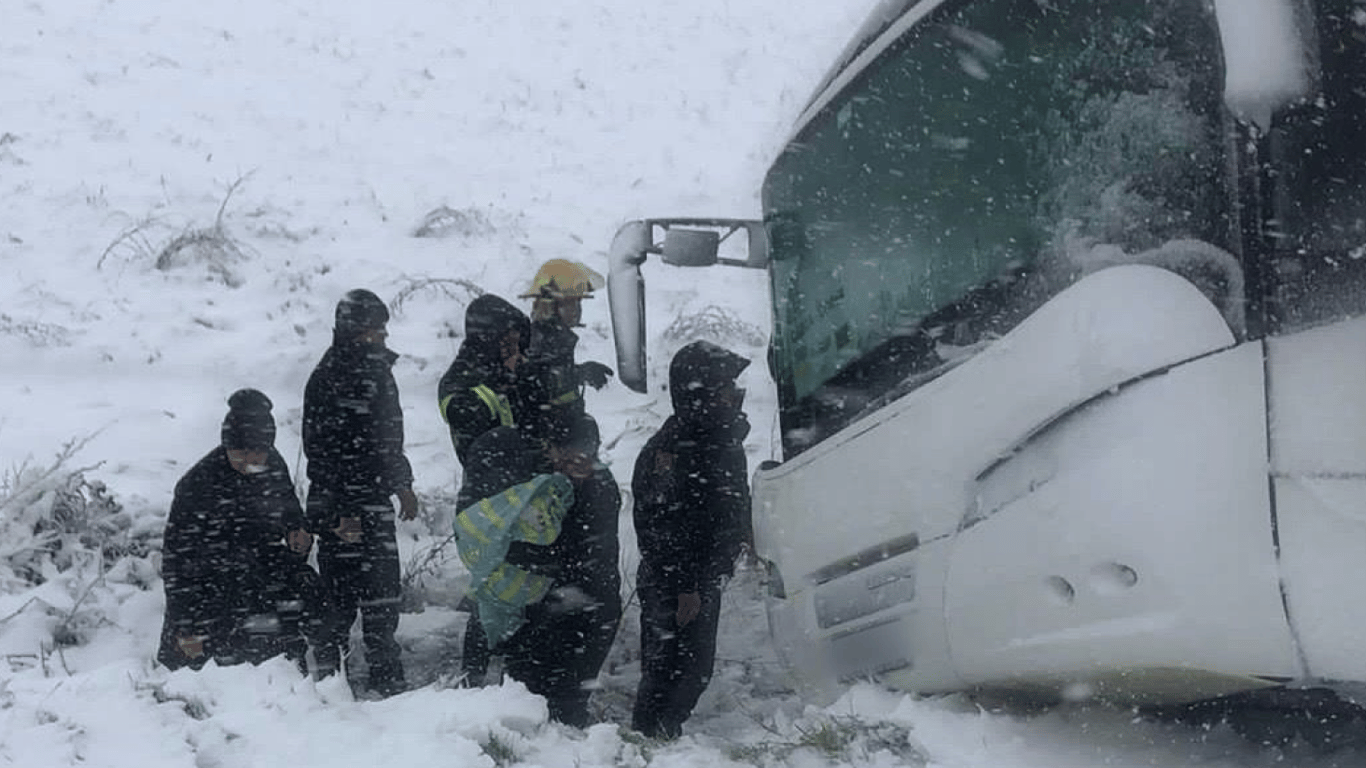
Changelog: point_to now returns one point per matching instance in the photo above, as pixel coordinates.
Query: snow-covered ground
(186, 190)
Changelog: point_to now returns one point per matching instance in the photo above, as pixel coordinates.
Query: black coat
(549, 377)
(353, 433)
(222, 547)
(568, 635)
(478, 373)
(691, 497)
(587, 547)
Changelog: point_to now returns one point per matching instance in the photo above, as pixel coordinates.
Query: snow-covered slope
(186, 190)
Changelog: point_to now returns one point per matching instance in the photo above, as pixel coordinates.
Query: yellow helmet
(563, 279)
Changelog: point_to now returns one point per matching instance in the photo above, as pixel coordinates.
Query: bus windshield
(971, 171)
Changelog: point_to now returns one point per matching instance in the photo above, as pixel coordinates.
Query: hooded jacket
(588, 548)
(690, 484)
(478, 393)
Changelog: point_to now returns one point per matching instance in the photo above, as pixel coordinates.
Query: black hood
(487, 319)
(357, 312)
(697, 372)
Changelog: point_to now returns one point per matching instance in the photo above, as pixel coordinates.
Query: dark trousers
(591, 636)
(474, 654)
(281, 608)
(365, 577)
(675, 662)
(558, 651)
(291, 611)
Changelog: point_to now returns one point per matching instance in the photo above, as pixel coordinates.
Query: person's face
(510, 349)
(730, 399)
(248, 461)
(373, 336)
(570, 310)
(572, 462)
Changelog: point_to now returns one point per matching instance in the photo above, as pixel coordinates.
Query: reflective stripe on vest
(566, 398)
(532, 512)
(496, 403)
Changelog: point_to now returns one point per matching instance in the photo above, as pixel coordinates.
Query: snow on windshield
(1267, 63)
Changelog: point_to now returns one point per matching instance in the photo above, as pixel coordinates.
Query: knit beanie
(249, 424)
(358, 311)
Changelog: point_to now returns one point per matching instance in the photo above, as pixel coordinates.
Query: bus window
(968, 174)
(1316, 155)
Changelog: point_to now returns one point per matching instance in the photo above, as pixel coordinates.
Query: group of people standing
(537, 522)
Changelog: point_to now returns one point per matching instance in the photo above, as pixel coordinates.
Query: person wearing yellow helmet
(554, 382)
(561, 278)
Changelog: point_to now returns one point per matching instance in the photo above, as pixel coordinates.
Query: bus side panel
(909, 468)
(903, 644)
(908, 471)
(1318, 455)
(1130, 544)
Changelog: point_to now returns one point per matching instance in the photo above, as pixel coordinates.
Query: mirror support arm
(633, 242)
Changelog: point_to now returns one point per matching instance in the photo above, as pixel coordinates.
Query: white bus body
(1113, 443)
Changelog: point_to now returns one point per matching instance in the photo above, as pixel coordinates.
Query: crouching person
(234, 556)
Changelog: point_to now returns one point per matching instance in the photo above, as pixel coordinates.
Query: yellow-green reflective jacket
(530, 512)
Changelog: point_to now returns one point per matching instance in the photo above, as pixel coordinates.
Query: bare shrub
(842, 740)
(212, 246)
(134, 242)
(35, 333)
(455, 289)
(192, 705)
(427, 573)
(64, 540)
(8, 155)
(53, 518)
(716, 324)
(448, 222)
(501, 750)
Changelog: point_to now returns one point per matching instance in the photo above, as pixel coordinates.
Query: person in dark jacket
(353, 438)
(234, 554)
(568, 635)
(504, 533)
(480, 390)
(691, 501)
(553, 380)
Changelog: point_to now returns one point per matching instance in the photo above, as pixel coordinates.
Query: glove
(299, 541)
(594, 374)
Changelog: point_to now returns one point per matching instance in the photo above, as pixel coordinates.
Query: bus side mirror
(690, 247)
(684, 243)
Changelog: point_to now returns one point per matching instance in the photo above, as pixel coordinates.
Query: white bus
(1069, 339)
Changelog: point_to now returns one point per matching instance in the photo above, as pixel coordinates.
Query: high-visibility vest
(497, 404)
(530, 512)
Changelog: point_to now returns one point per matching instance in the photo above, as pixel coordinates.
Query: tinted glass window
(1315, 163)
(973, 171)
